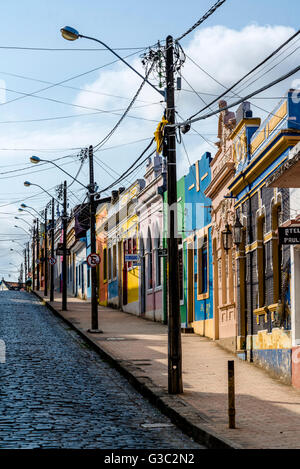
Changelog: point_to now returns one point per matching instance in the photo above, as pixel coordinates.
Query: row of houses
(238, 283)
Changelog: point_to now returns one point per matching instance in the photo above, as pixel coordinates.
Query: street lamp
(174, 322)
(28, 184)
(71, 34)
(25, 221)
(238, 232)
(15, 250)
(25, 207)
(20, 227)
(227, 238)
(37, 159)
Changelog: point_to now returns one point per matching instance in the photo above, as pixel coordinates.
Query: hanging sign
(132, 257)
(93, 260)
(290, 235)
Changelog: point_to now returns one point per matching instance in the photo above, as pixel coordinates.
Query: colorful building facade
(264, 265)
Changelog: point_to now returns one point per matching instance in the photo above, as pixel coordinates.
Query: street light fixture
(37, 159)
(25, 221)
(238, 232)
(71, 34)
(25, 207)
(20, 227)
(227, 238)
(28, 184)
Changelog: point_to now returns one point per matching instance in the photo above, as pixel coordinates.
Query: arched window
(261, 261)
(276, 253)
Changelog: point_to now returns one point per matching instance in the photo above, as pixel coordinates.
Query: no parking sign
(93, 260)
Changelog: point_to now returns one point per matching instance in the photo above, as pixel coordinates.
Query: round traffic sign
(52, 260)
(93, 260)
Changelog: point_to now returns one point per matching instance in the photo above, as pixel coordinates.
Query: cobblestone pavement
(55, 392)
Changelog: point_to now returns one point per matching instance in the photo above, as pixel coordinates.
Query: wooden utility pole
(64, 263)
(52, 254)
(46, 255)
(174, 322)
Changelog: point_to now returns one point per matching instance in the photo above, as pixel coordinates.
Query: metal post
(52, 255)
(46, 256)
(28, 258)
(37, 255)
(64, 264)
(174, 322)
(231, 394)
(25, 263)
(94, 299)
(33, 259)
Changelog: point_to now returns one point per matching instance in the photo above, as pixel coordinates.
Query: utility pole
(46, 256)
(37, 255)
(52, 254)
(28, 258)
(174, 322)
(25, 263)
(64, 264)
(33, 259)
(94, 301)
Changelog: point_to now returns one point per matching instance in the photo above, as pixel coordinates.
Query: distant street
(57, 393)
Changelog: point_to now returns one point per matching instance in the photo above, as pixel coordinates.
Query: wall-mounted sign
(290, 235)
(132, 257)
(162, 252)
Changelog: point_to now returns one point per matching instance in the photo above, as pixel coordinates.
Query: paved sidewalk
(267, 412)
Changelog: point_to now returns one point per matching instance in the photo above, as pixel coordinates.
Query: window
(261, 262)
(104, 264)
(114, 261)
(276, 253)
(109, 265)
(202, 265)
(150, 279)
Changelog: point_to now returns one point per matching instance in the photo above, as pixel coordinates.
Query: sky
(227, 45)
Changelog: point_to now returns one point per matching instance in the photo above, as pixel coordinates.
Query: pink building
(150, 213)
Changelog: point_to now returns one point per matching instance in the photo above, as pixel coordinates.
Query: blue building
(197, 249)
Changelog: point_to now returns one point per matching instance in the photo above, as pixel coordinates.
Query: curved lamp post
(37, 159)
(25, 221)
(28, 184)
(71, 34)
(27, 232)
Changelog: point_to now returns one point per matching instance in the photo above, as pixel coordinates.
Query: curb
(182, 414)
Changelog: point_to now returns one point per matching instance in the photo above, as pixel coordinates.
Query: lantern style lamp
(238, 232)
(227, 238)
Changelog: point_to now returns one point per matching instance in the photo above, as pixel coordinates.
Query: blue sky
(226, 52)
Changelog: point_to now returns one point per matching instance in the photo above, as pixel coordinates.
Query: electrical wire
(67, 79)
(202, 19)
(247, 74)
(191, 119)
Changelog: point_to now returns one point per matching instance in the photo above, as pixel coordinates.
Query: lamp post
(20, 227)
(24, 208)
(71, 34)
(52, 253)
(174, 326)
(25, 221)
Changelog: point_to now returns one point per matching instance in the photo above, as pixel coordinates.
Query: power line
(203, 18)
(247, 74)
(190, 120)
(65, 81)
(56, 49)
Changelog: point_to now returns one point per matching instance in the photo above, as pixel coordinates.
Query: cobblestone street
(57, 393)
